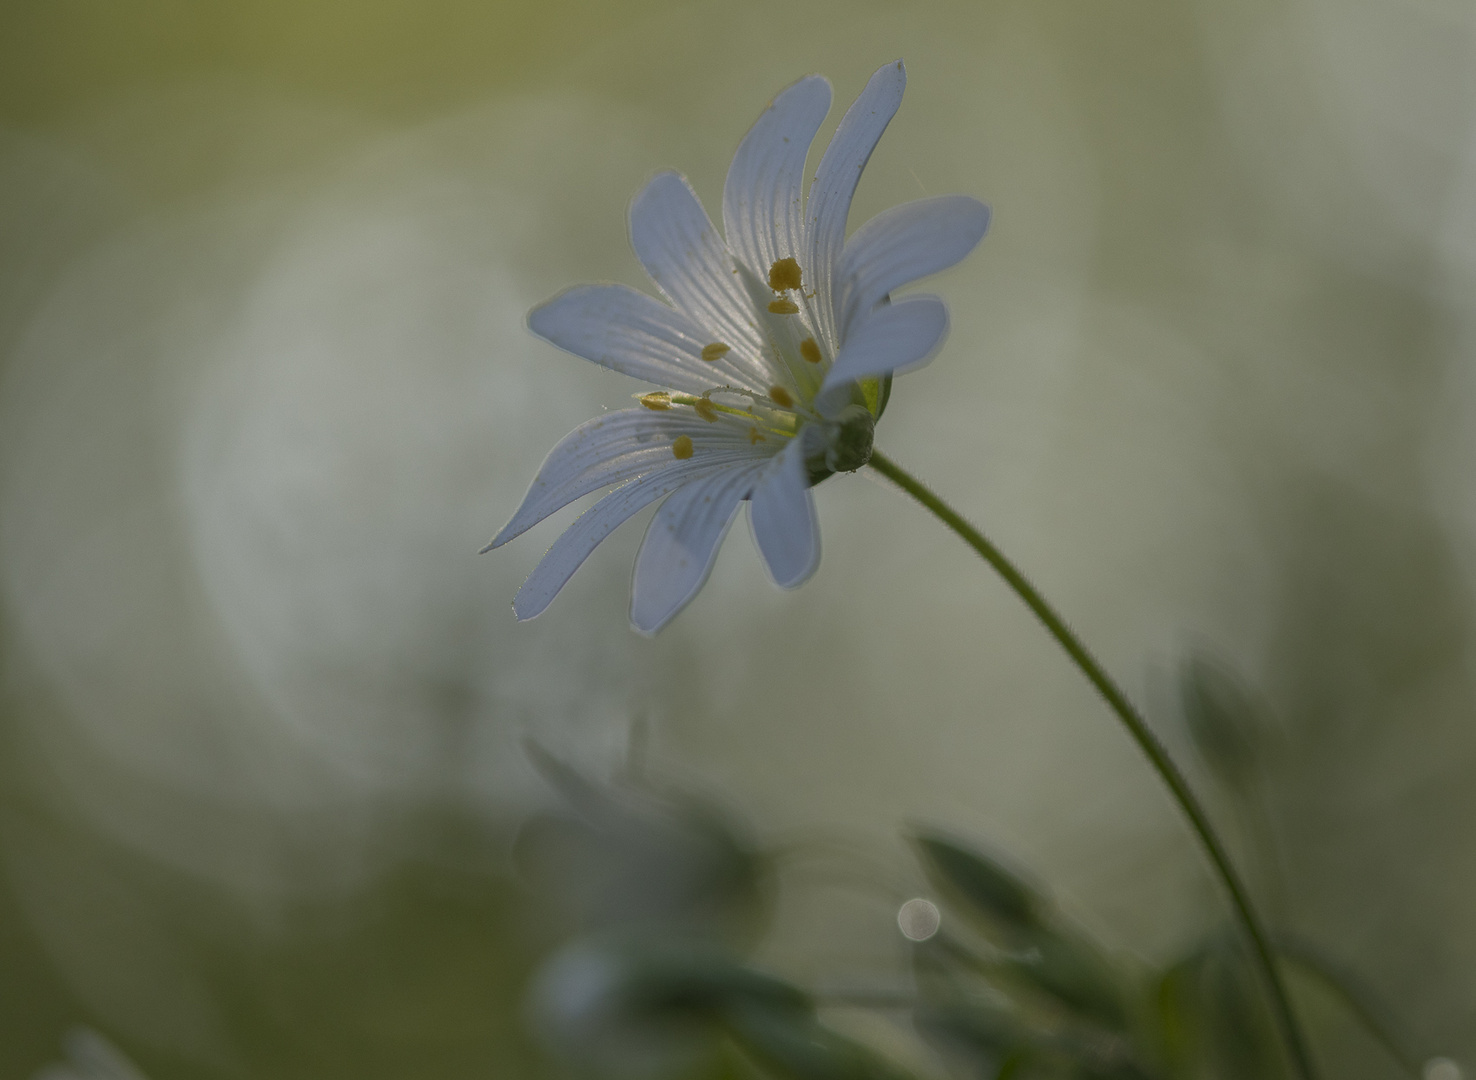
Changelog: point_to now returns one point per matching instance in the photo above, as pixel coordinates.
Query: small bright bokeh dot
(919, 920)
(1441, 1068)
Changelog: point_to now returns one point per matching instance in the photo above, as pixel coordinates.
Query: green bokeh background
(265, 389)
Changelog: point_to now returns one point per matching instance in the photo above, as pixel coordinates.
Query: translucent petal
(681, 545)
(762, 213)
(903, 244)
(575, 543)
(684, 254)
(613, 448)
(829, 202)
(627, 331)
(898, 336)
(781, 514)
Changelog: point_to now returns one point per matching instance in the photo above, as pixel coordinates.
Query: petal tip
(524, 610)
(803, 575)
(984, 215)
(648, 623)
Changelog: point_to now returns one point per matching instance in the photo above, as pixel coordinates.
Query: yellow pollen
(714, 352)
(681, 447)
(705, 409)
(658, 400)
(754, 436)
(809, 350)
(783, 307)
(780, 396)
(784, 274)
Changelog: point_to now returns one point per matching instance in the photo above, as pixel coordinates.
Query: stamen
(781, 397)
(704, 408)
(660, 400)
(783, 307)
(681, 447)
(810, 351)
(714, 352)
(784, 274)
(754, 436)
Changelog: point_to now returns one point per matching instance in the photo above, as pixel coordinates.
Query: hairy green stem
(1148, 742)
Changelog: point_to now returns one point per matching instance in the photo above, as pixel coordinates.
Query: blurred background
(265, 389)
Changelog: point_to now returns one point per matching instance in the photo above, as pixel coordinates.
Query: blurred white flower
(775, 354)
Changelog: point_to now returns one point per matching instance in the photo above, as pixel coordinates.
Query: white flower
(775, 353)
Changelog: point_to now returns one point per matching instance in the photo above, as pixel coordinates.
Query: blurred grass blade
(1210, 1014)
(980, 885)
(1222, 720)
(1076, 975)
(1354, 995)
(1176, 1006)
(990, 1037)
(797, 1047)
(582, 794)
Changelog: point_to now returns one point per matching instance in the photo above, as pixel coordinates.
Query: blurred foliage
(667, 894)
(655, 982)
(1211, 376)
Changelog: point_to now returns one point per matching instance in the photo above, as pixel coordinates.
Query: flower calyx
(843, 443)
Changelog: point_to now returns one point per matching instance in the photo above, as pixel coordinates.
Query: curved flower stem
(1138, 728)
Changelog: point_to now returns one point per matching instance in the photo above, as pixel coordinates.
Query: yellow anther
(784, 274)
(754, 436)
(783, 307)
(681, 447)
(781, 397)
(705, 409)
(714, 352)
(659, 400)
(810, 351)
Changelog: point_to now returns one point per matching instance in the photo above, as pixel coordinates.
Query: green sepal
(875, 394)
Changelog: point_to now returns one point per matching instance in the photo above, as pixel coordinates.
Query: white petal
(627, 331)
(898, 336)
(681, 545)
(762, 196)
(575, 543)
(682, 251)
(611, 449)
(835, 183)
(781, 514)
(904, 244)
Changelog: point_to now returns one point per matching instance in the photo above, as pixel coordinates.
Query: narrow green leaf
(1222, 719)
(980, 884)
(797, 1047)
(1075, 974)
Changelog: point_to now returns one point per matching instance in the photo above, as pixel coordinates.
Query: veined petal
(898, 336)
(575, 543)
(762, 196)
(830, 195)
(781, 514)
(684, 254)
(681, 545)
(613, 448)
(627, 331)
(901, 245)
